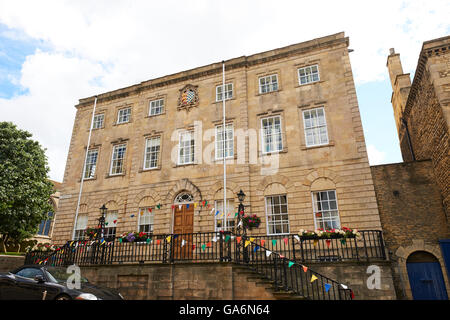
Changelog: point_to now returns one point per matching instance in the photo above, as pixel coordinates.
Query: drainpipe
(409, 138)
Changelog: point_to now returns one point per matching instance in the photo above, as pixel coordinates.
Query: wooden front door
(183, 227)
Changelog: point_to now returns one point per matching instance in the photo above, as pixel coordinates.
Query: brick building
(295, 146)
(413, 196)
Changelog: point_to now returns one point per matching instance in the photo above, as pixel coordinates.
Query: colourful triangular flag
(227, 238)
(305, 268)
(183, 242)
(327, 287)
(246, 243)
(168, 238)
(285, 240)
(297, 238)
(187, 206)
(328, 242)
(290, 264)
(238, 239)
(203, 247)
(313, 278)
(256, 248)
(262, 242)
(268, 253)
(274, 242)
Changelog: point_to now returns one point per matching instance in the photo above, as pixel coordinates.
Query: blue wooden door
(426, 280)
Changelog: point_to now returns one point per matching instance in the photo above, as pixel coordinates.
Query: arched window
(44, 227)
(184, 197)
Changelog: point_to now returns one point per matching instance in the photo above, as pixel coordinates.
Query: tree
(24, 188)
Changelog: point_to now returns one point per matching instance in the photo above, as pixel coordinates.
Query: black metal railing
(289, 275)
(213, 246)
(164, 248)
(369, 246)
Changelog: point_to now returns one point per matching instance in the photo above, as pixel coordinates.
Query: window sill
(298, 85)
(262, 154)
(114, 175)
(88, 179)
(155, 115)
(270, 92)
(179, 165)
(122, 123)
(149, 169)
(329, 144)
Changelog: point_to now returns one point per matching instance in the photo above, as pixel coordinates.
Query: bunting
(313, 278)
(290, 264)
(327, 287)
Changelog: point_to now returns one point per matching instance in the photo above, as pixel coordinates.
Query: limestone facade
(296, 170)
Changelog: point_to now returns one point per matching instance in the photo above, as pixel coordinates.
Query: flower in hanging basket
(251, 221)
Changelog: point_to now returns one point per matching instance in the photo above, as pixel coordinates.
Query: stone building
(413, 196)
(295, 146)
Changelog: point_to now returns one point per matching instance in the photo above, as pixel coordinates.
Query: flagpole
(84, 168)
(224, 148)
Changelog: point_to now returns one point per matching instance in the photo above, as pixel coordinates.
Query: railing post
(221, 246)
(365, 245)
(383, 248)
(293, 247)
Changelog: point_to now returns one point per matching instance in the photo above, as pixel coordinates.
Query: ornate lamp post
(101, 222)
(241, 197)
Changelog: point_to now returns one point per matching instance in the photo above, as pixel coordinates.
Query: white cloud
(375, 156)
(102, 45)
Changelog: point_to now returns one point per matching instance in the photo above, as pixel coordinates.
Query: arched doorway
(183, 225)
(425, 276)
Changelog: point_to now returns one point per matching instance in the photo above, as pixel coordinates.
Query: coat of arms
(188, 97)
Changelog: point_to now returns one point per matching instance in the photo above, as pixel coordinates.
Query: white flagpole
(224, 147)
(84, 168)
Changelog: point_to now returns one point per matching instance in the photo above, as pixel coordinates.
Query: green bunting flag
(227, 238)
(274, 242)
(203, 247)
(291, 264)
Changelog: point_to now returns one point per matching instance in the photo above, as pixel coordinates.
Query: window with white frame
(146, 219)
(118, 159)
(80, 227)
(308, 74)
(123, 115)
(271, 135)
(224, 141)
(156, 107)
(315, 127)
(277, 215)
(326, 213)
(224, 215)
(91, 163)
(152, 148)
(98, 121)
(186, 148)
(110, 224)
(268, 83)
(228, 92)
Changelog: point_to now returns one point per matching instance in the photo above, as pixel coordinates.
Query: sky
(53, 53)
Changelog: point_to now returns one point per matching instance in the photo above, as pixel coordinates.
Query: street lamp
(241, 197)
(101, 221)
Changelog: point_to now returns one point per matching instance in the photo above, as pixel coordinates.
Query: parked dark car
(37, 282)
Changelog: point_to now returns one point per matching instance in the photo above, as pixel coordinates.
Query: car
(41, 282)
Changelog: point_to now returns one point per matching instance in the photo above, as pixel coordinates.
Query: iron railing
(288, 275)
(213, 246)
(370, 246)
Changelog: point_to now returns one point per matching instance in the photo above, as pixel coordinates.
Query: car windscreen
(59, 274)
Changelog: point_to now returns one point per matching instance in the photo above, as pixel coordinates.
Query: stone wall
(214, 281)
(411, 214)
(429, 134)
(9, 263)
(409, 203)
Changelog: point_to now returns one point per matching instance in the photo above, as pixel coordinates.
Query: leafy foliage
(24, 188)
